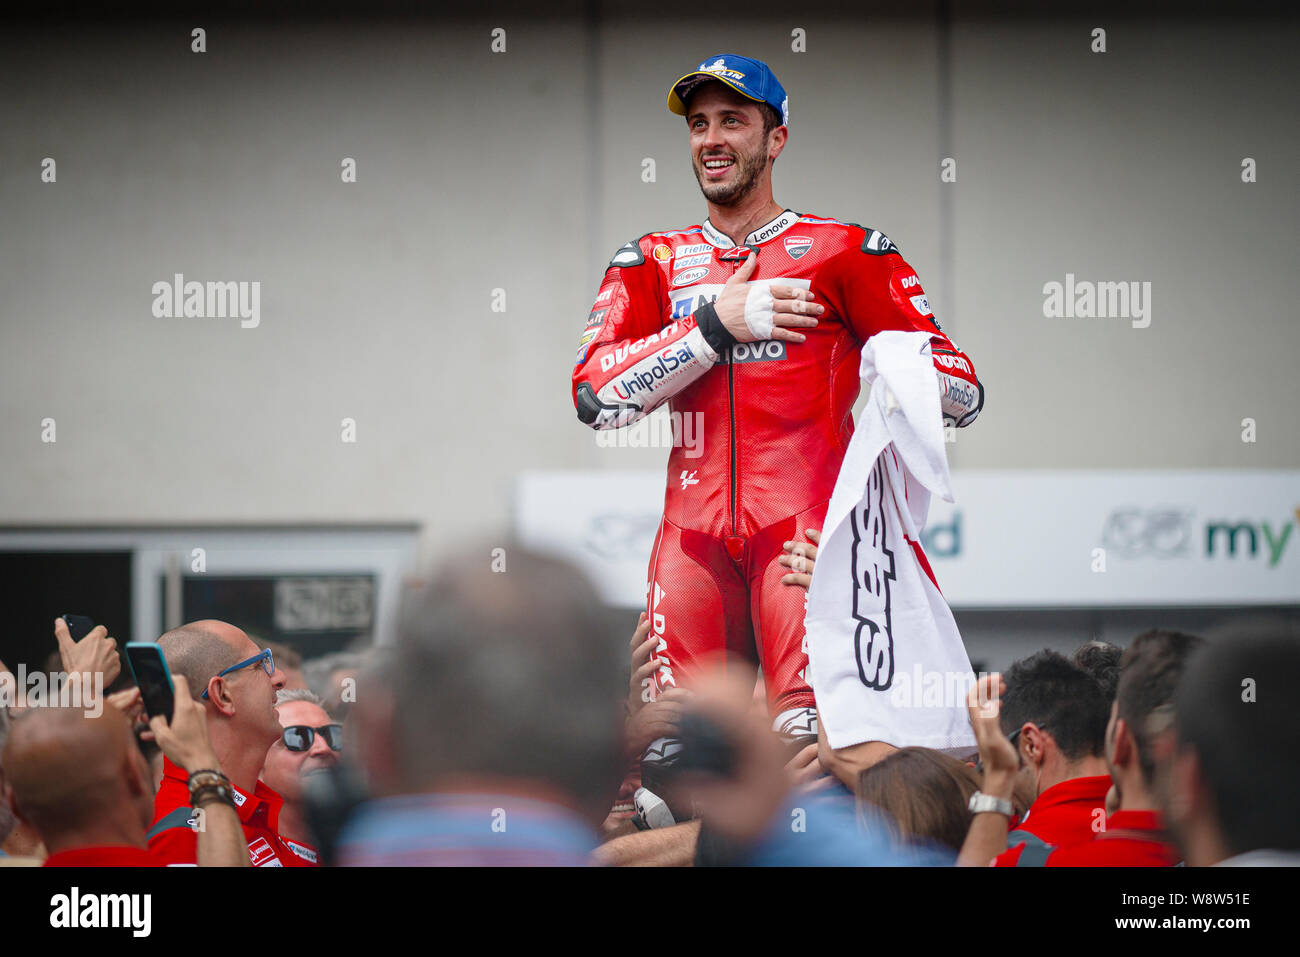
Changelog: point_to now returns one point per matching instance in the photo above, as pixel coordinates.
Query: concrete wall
(522, 171)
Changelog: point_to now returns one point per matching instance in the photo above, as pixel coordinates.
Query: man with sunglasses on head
(310, 742)
(237, 682)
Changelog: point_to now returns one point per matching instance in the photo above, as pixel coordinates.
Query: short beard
(748, 170)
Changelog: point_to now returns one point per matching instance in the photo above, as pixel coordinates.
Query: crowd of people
(503, 726)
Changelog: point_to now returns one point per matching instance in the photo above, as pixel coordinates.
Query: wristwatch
(981, 803)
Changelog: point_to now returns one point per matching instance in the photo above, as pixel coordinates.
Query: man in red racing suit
(773, 405)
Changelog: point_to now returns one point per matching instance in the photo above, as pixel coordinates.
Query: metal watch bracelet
(981, 803)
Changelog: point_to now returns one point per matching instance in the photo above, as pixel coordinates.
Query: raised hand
(94, 653)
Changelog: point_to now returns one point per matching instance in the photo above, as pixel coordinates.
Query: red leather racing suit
(775, 418)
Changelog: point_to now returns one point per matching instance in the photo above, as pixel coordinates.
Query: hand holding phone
(86, 648)
(183, 735)
(732, 764)
(79, 626)
(149, 667)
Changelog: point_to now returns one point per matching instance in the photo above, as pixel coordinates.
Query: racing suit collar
(769, 230)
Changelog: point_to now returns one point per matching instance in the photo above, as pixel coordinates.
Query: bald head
(202, 649)
(67, 769)
(242, 721)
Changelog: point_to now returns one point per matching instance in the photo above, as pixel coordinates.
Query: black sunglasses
(299, 737)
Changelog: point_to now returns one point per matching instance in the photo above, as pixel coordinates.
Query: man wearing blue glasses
(238, 682)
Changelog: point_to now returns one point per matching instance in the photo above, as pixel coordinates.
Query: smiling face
(284, 769)
(730, 152)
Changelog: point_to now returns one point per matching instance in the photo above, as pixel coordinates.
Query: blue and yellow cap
(748, 77)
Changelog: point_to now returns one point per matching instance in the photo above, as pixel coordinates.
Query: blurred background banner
(1012, 540)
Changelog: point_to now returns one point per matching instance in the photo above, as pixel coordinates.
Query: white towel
(886, 659)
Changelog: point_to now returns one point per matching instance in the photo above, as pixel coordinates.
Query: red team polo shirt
(104, 857)
(1062, 815)
(174, 839)
(1131, 839)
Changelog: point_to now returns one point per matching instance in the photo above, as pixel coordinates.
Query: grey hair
(286, 695)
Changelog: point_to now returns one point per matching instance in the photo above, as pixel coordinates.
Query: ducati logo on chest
(737, 254)
(796, 246)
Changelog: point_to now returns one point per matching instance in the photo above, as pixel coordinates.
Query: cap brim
(678, 106)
